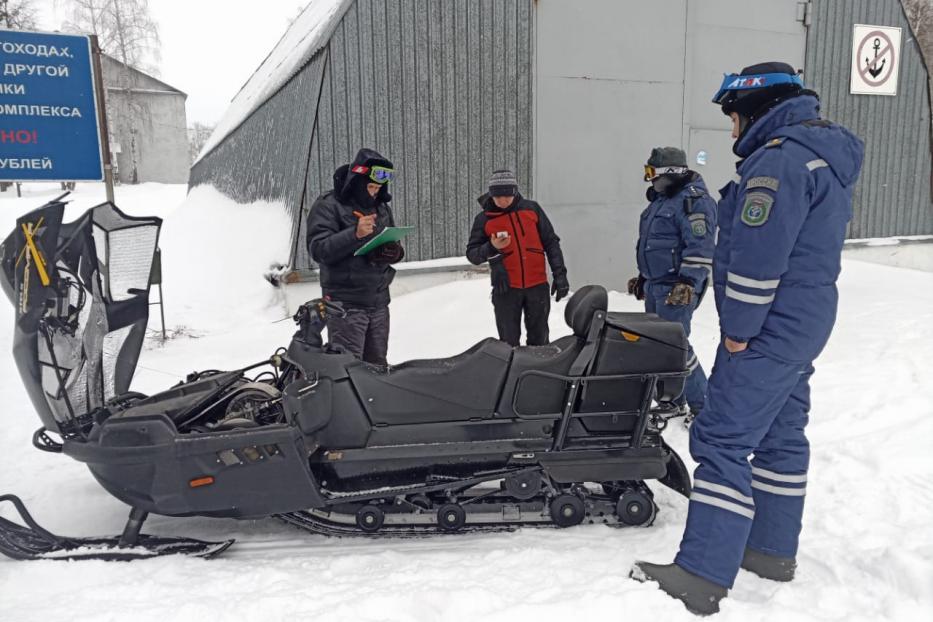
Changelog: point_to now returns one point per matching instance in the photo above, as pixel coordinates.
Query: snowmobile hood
(81, 292)
(344, 178)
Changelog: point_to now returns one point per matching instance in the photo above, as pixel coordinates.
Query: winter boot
(768, 566)
(698, 594)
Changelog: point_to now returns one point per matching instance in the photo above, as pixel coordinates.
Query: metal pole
(102, 118)
(162, 312)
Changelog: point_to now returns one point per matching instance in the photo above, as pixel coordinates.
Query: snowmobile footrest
(31, 541)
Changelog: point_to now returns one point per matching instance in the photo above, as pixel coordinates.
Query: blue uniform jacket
(676, 236)
(782, 223)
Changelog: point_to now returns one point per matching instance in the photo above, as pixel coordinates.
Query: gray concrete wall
(147, 120)
(614, 79)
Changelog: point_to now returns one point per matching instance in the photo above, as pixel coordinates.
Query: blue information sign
(48, 109)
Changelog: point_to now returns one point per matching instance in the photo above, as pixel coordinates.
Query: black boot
(698, 594)
(768, 566)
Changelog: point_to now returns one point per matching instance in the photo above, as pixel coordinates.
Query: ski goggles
(377, 174)
(653, 172)
(735, 82)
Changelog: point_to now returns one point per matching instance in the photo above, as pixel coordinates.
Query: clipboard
(389, 234)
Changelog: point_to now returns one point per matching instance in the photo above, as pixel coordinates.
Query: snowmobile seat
(459, 388)
(582, 307)
(538, 395)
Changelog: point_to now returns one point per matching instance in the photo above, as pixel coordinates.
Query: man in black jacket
(515, 236)
(340, 223)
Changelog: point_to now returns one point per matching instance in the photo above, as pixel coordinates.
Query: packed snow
(867, 545)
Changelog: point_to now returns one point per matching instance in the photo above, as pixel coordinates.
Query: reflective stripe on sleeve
(815, 164)
(725, 505)
(749, 298)
(738, 279)
(702, 260)
(779, 477)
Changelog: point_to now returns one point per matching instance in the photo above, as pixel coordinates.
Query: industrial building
(570, 95)
(148, 127)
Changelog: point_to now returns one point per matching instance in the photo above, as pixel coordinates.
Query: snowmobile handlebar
(312, 317)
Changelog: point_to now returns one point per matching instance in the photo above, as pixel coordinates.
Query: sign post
(52, 123)
(876, 58)
(102, 119)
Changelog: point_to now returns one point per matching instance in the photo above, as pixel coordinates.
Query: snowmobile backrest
(585, 302)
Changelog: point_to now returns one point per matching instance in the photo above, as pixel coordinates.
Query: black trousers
(364, 333)
(535, 303)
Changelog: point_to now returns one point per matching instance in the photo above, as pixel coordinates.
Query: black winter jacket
(331, 238)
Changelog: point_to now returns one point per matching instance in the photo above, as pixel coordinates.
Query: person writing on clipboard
(515, 236)
(342, 222)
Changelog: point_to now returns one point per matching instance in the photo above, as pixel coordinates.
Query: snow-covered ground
(867, 547)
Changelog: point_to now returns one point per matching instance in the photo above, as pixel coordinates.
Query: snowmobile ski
(33, 542)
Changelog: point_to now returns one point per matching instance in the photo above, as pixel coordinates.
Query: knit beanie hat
(502, 183)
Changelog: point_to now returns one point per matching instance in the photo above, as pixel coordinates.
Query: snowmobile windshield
(81, 292)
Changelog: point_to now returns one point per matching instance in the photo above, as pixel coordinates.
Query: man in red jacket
(514, 235)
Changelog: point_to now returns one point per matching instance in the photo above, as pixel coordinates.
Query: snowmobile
(494, 438)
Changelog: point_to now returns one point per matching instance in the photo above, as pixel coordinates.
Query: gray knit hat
(503, 183)
(667, 156)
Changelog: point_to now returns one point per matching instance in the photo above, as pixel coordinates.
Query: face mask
(662, 184)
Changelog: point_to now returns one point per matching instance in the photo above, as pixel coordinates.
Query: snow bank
(307, 34)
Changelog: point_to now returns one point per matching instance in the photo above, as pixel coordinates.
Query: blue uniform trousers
(695, 385)
(759, 405)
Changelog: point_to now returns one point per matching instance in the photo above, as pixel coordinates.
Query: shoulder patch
(698, 227)
(771, 183)
(774, 142)
(757, 208)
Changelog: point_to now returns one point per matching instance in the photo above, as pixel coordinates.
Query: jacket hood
(344, 178)
(842, 150)
(692, 179)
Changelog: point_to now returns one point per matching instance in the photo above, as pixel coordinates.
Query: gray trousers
(364, 333)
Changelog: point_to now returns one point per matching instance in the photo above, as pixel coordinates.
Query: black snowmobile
(494, 438)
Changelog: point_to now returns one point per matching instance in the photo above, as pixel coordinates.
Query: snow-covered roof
(303, 39)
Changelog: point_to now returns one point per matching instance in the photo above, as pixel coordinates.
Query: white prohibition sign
(875, 70)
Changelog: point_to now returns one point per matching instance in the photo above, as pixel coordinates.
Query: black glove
(681, 294)
(500, 277)
(560, 287)
(390, 252)
(636, 287)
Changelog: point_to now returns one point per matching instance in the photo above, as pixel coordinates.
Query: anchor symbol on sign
(878, 68)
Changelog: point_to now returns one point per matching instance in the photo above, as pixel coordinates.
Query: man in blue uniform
(674, 253)
(782, 222)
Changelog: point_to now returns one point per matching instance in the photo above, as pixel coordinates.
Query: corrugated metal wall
(266, 157)
(893, 195)
(443, 88)
(440, 87)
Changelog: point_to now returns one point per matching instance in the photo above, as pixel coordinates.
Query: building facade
(571, 95)
(148, 126)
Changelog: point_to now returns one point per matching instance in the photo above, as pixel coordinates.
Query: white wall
(613, 80)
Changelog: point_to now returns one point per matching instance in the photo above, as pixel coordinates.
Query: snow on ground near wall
(867, 547)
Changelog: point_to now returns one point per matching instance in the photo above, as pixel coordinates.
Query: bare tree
(125, 29)
(126, 32)
(198, 134)
(920, 15)
(18, 14)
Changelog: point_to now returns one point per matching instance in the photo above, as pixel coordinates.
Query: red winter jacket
(533, 239)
